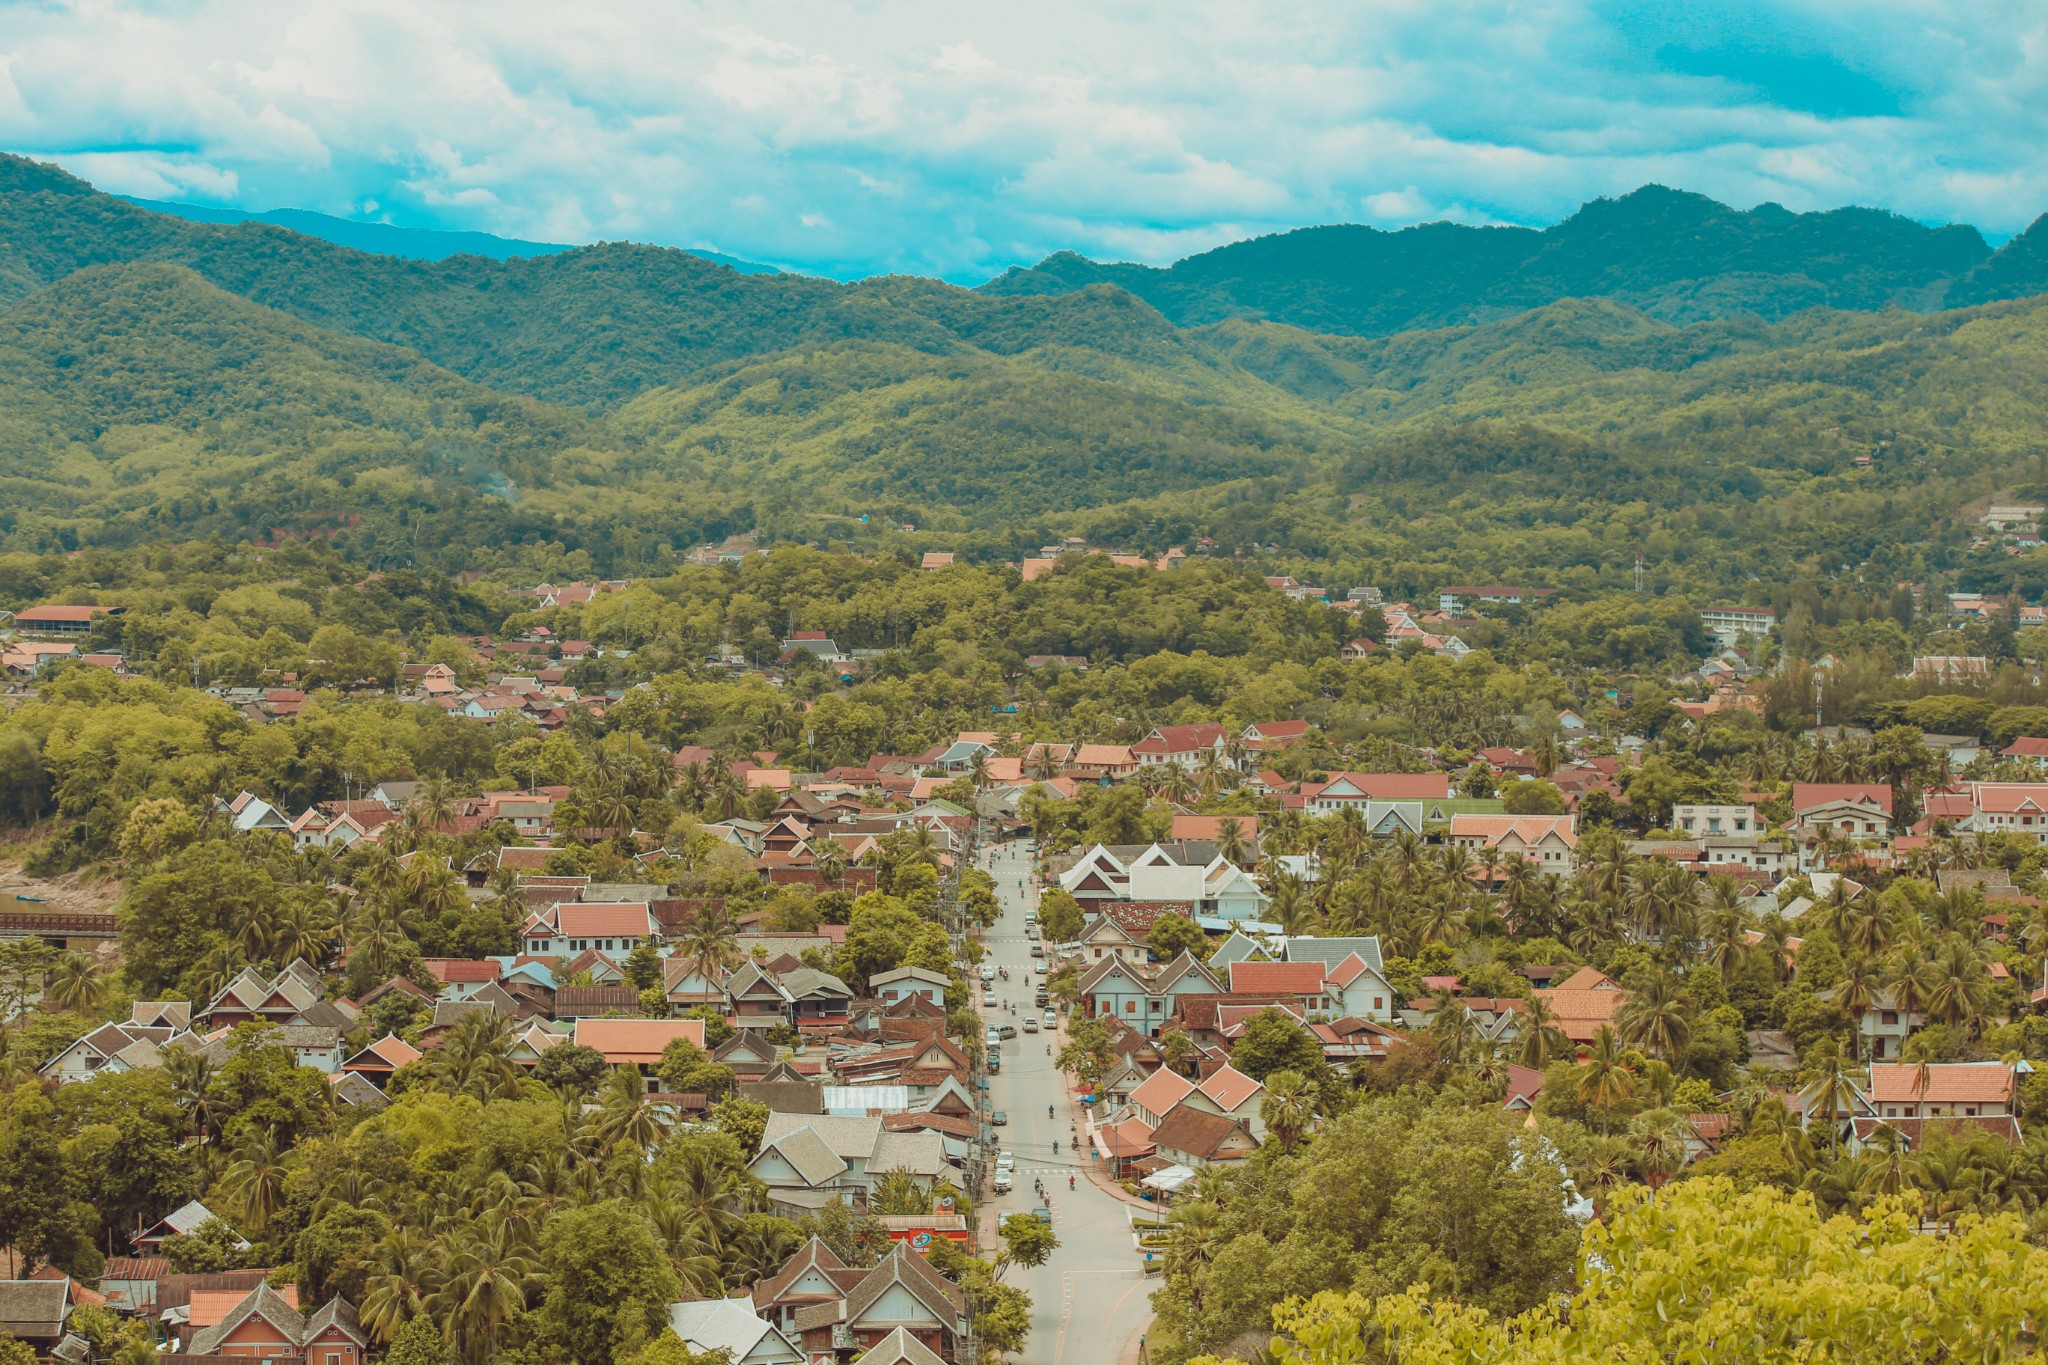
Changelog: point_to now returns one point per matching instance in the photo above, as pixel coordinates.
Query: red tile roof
(1808, 795)
(1293, 978)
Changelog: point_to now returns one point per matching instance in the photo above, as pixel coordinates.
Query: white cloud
(957, 138)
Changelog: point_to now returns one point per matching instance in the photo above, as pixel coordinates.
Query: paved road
(1090, 1298)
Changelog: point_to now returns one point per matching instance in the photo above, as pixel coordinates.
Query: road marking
(1059, 1342)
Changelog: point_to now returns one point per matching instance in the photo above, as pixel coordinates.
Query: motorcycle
(1070, 1182)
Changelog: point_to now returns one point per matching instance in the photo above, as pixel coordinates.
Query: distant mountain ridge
(1677, 256)
(387, 239)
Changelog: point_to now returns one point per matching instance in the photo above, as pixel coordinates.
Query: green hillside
(166, 379)
(1678, 256)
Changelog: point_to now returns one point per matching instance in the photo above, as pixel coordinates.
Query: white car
(1006, 1161)
(1003, 1182)
(1052, 1019)
(988, 973)
(988, 1000)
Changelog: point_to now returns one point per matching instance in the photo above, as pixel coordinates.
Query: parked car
(1042, 1000)
(988, 972)
(1003, 1182)
(1038, 950)
(1031, 1026)
(1006, 1161)
(1000, 1119)
(1052, 1018)
(988, 1000)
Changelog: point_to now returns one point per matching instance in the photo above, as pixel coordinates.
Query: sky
(958, 138)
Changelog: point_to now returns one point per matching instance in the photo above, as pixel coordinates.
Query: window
(1378, 1003)
(1130, 1007)
(1888, 1017)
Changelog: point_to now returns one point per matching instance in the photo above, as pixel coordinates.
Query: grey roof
(140, 1055)
(807, 1152)
(786, 1097)
(730, 1325)
(921, 1153)
(808, 981)
(262, 1301)
(924, 974)
(901, 1348)
(189, 1217)
(34, 1309)
(309, 1036)
(845, 1137)
(337, 1313)
(1331, 951)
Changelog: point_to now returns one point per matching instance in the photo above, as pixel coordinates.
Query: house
(576, 926)
(1965, 1094)
(1359, 790)
(1885, 1027)
(1300, 981)
(1141, 996)
(901, 1297)
(1458, 601)
(813, 1276)
(59, 620)
(904, 982)
(1103, 762)
(636, 1042)
(1183, 745)
(901, 1348)
(1550, 842)
(2009, 808)
(1729, 625)
(1195, 1138)
(34, 1312)
(110, 1047)
(1587, 999)
(816, 643)
(1714, 820)
(731, 1326)
(1275, 734)
(936, 559)
(807, 1160)
(265, 1324)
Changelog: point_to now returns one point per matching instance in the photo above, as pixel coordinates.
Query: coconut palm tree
(402, 1278)
(1830, 1096)
(76, 983)
(711, 942)
(476, 1058)
(1288, 1107)
(1603, 1082)
(1958, 985)
(624, 1116)
(254, 1181)
(1539, 1040)
(1657, 1018)
(487, 1273)
(1857, 994)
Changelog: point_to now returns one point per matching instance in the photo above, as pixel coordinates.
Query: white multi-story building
(1730, 624)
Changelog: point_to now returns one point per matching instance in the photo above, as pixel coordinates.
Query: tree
(1532, 797)
(1274, 1040)
(417, 1343)
(1760, 1257)
(1087, 1053)
(1656, 1018)
(608, 1283)
(1060, 915)
(15, 1351)
(572, 1065)
(1288, 1107)
(746, 1121)
(37, 1218)
(1173, 935)
(669, 1349)
(1026, 1242)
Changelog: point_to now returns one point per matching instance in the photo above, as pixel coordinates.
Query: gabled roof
(261, 1302)
(636, 1041)
(34, 1309)
(901, 1348)
(1197, 1132)
(1812, 795)
(1946, 1083)
(1162, 1090)
(1294, 978)
(728, 1325)
(807, 1154)
(814, 1255)
(939, 1296)
(1230, 1088)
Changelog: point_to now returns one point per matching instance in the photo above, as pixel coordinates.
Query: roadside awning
(1170, 1179)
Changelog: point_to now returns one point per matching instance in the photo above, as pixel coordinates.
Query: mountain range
(1747, 393)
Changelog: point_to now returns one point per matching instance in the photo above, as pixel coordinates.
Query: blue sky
(958, 138)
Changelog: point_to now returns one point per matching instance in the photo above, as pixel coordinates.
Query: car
(1003, 1182)
(988, 1000)
(988, 973)
(1000, 1118)
(992, 1038)
(1038, 967)
(1038, 950)
(1006, 1031)
(1041, 1000)
(1043, 1215)
(1006, 1161)
(1052, 1018)
(1031, 1026)
(995, 1064)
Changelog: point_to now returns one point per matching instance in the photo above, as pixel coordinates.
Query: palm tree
(828, 857)
(1830, 1096)
(1856, 994)
(1603, 1082)
(1540, 1041)
(404, 1275)
(1230, 844)
(76, 983)
(254, 1182)
(487, 1273)
(1194, 1231)
(1657, 1018)
(1176, 785)
(476, 1058)
(624, 1115)
(1958, 986)
(711, 942)
(1287, 1108)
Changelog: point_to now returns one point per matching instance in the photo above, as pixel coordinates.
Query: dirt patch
(74, 891)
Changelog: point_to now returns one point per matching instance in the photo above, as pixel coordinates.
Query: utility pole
(1639, 573)
(1820, 682)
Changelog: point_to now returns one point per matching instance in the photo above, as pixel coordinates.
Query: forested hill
(1680, 257)
(163, 379)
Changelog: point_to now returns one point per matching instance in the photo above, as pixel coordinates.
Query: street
(1090, 1299)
